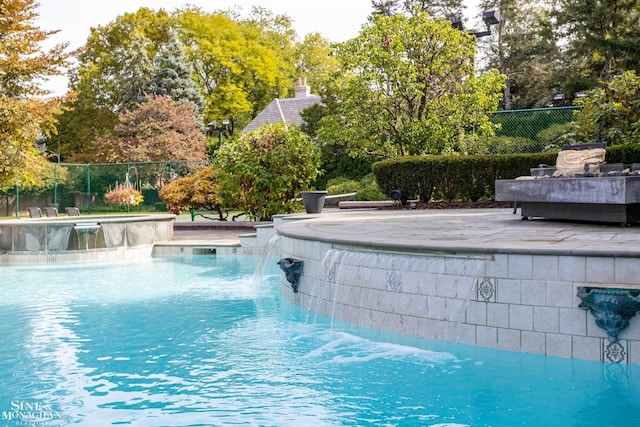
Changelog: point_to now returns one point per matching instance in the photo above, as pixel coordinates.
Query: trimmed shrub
(453, 177)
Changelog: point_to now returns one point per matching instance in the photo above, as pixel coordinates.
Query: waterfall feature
(414, 294)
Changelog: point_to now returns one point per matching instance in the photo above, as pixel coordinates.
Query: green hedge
(469, 177)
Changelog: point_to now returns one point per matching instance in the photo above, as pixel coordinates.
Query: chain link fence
(84, 186)
(530, 131)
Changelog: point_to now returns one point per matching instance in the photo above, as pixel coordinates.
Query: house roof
(285, 110)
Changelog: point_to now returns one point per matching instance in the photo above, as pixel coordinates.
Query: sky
(336, 20)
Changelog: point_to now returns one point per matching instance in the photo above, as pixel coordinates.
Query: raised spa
(73, 238)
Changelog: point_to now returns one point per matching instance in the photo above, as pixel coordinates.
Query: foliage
(199, 190)
(510, 144)
(470, 177)
(336, 160)
(611, 111)
(315, 62)
(554, 135)
(263, 171)
(172, 76)
(626, 154)
(102, 75)
(440, 8)
(601, 37)
(124, 195)
(104, 64)
(160, 129)
(409, 87)
(240, 65)
(52, 174)
(525, 50)
(453, 177)
(345, 166)
(341, 185)
(78, 127)
(133, 79)
(367, 188)
(529, 123)
(25, 112)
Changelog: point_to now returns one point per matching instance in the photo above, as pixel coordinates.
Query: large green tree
(439, 8)
(26, 110)
(132, 80)
(315, 61)
(525, 50)
(159, 129)
(601, 38)
(240, 64)
(172, 76)
(112, 70)
(409, 87)
(610, 112)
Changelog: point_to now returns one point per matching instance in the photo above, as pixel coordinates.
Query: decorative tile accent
(486, 289)
(51, 258)
(331, 272)
(246, 251)
(616, 352)
(394, 283)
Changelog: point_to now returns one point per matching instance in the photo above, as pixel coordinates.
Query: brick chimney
(301, 88)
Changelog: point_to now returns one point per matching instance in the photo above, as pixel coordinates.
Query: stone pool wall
(512, 301)
(66, 239)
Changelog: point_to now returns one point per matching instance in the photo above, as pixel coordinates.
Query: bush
(367, 188)
(554, 136)
(470, 178)
(345, 167)
(511, 144)
(341, 185)
(610, 111)
(197, 191)
(263, 171)
(453, 177)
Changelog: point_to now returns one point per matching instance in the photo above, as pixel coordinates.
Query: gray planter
(313, 200)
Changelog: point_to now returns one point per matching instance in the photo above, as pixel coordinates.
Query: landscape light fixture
(558, 99)
(225, 128)
(490, 17)
(398, 197)
(456, 22)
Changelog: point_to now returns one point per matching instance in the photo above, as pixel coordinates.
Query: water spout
(293, 270)
(83, 231)
(612, 308)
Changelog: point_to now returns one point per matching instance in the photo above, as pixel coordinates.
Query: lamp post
(224, 128)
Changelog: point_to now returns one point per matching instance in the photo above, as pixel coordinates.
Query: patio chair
(34, 213)
(50, 211)
(72, 211)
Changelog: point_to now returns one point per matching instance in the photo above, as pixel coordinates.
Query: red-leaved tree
(159, 129)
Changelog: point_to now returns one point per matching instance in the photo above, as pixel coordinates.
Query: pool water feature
(197, 342)
(83, 238)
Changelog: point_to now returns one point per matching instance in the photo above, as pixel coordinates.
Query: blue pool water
(169, 342)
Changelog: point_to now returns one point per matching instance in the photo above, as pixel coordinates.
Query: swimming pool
(197, 342)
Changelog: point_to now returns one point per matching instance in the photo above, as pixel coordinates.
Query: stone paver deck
(464, 231)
